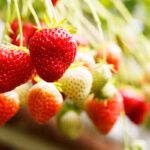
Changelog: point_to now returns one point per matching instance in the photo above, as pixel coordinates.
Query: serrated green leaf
(46, 20)
(62, 22)
(54, 23)
(72, 31)
(37, 78)
(58, 86)
(76, 64)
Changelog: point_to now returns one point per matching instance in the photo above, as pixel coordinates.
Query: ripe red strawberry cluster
(88, 85)
(51, 52)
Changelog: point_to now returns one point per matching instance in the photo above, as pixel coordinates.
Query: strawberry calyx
(37, 78)
(58, 86)
(76, 64)
(13, 47)
(54, 24)
(20, 48)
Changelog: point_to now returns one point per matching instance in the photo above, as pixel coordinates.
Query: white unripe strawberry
(76, 84)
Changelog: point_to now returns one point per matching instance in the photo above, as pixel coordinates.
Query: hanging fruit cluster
(57, 71)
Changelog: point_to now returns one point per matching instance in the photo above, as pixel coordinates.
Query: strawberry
(54, 2)
(44, 101)
(14, 26)
(113, 55)
(70, 124)
(104, 115)
(15, 68)
(101, 75)
(81, 40)
(16, 40)
(9, 105)
(88, 60)
(22, 92)
(28, 31)
(76, 84)
(52, 51)
(135, 105)
(35, 28)
(108, 90)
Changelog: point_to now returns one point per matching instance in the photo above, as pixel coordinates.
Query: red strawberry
(104, 116)
(9, 105)
(52, 52)
(14, 26)
(135, 105)
(44, 101)
(16, 40)
(15, 68)
(27, 29)
(81, 40)
(54, 2)
(113, 55)
(35, 28)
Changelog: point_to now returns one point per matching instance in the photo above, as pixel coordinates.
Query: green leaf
(72, 31)
(62, 22)
(54, 23)
(76, 64)
(58, 86)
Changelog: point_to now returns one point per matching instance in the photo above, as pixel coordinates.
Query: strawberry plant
(65, 58)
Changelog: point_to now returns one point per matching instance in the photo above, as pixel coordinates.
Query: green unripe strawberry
(108, 90)
(70, 124)
(101, 75)
(76, 84)
(23, 91)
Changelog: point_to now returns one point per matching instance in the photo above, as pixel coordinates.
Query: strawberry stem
(81, 22)
(98, 25)
(34, 13)
(128, 17)
(53, 11)
(50, 11)
(7, 20)
(20, 24)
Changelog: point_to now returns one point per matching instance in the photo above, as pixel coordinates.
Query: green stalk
(48, 9)
(7, 19)
(20, 24)
(53, 10)
(34, 14)
(122, 9)
(98, 25)
(83, 22)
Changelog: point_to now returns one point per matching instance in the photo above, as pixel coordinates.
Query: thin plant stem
(20, 24)
(98, 25)
(48, 9)
(34, 14)
(53, 10)
(7, 19)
